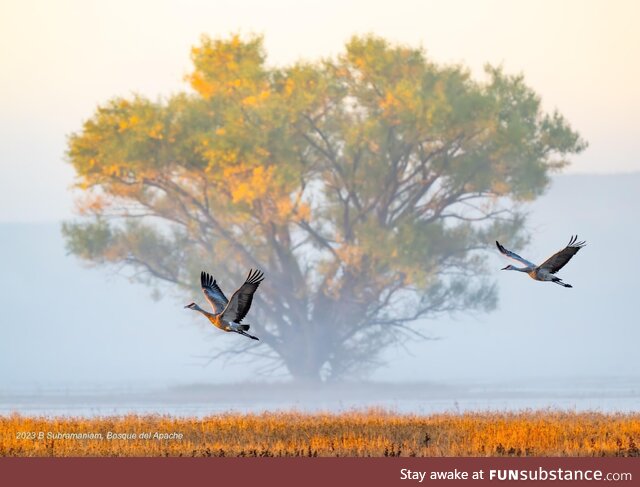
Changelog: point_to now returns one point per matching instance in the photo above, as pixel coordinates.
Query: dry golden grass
(372, 433)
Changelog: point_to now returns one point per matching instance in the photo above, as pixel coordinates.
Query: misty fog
(68, 328)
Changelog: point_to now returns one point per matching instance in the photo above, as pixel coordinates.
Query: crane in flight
(547, 270)
(227, 315)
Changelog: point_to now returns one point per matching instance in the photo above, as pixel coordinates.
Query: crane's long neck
(204, 312)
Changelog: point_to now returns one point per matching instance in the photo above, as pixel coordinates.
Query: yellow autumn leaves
(226, 68)
(253, 187)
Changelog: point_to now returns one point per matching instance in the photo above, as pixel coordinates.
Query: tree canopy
(367, 187)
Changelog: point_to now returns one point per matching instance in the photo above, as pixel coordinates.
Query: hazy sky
(59, 59)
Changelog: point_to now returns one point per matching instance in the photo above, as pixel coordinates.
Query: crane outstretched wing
(558, 260)
(240, 302)
(213, 293)
(514, 256)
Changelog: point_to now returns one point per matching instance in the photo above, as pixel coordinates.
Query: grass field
(371, 433)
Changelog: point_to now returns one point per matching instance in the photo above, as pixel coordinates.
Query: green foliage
(90, 240)
(366, 186)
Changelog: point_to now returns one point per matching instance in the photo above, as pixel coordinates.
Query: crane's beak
(504, 268)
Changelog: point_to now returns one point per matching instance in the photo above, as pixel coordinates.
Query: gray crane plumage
(228, 314)
(547, 270)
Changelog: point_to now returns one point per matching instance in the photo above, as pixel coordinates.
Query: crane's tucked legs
(247, 335)
(559, 281)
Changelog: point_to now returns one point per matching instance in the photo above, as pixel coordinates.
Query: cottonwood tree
(367, 187)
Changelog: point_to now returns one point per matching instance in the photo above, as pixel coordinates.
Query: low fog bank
(69, 331)
(613, 395)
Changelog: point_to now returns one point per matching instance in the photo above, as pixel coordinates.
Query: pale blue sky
(61, 58)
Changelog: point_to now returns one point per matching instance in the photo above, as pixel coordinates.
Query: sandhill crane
(227, 315)
(546, 270)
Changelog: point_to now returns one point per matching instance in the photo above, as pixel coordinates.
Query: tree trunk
(307, 353)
